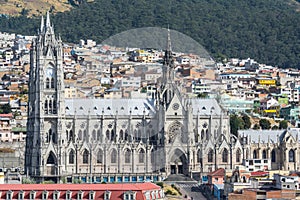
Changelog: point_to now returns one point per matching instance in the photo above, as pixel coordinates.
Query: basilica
(120, 140)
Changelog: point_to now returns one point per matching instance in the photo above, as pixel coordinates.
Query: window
(68, 195)
(100, 156)
(9, 195)
(85, 157)
(91, 195)
(21, 195)
(113, 156)
(264, 154)
(107, 195)
(32, 195)
(199, 156)
(142, 156)
(210, 156)
(129, 195)
(56, 195)
(127, 156)
(45, 195)
(291, 156)
(71, 157)
(255, 154)
(80, 195)
(225, 155)
(273, 156)
(238, 155)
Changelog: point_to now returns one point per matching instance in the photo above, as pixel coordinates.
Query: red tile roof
(218, 172)
(259, 173)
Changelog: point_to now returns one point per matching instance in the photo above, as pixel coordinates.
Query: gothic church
(122, 140)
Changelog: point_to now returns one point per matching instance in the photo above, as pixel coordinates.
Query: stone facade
(164, 135)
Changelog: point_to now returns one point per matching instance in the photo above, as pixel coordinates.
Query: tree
(256, 127)
(247, 122)
(265, 124)
(236, 123)
(5, 109)
(283, 124)
(275, 127)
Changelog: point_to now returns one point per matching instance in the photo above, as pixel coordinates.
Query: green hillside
(266, 30)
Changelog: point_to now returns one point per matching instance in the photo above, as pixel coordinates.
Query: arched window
(254, 154)
(264, 154)
(80, 134)
(112, 135)
(238, 155)
(126, 135)
(141, 156)
(51, 158)
(199, 156)
(85, 157)
(291, 156)
(52, 82)
(207, 134)
(210, 157)
(100, 156)
(196, 137)
(46, 106)
(71, 156)
(127, 156)
(273, 156)
(99, 136)
(94, 135)
(113, 158)
(47, 83)
(107, 134)
(85, 136)
(121, 135)
(202, 134)
(225, 155)
(71, 138)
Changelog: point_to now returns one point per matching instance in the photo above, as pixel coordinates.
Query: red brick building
(138, 191)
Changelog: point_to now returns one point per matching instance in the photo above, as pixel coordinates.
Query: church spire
(168, 53)
(48, 20)
(42, 24)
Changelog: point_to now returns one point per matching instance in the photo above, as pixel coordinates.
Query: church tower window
(291, 156)
(127, 156)
(210, 156)
(225, 155)
(264, 154)
(85, 157)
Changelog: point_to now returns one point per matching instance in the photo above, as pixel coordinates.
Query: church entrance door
(178, 163)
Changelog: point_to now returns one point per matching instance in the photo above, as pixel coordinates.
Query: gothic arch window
(54, 107)
(71, 156)
(127, 156)
(139, 136)
(99, 136)
(207, 134)
(225, 155)
(126, 135)
(255, 154)
(100, 156)
(141, 156)
(52, 82)
(202, 134)
(80, 134)
(152, 156)
(273, 155)
(71, 136)
(113, 158)
(46, 106)
(50, 107)
(210, 156)
(247, 153)
(238, 155)
(107, 134)
(51, 158)
(196, 137)
(264, 154)
(291, 155)
(199, 156)
(175, 131)
(94, 135)
(85, 157)
(121, 135)
(85, 136)
(47, 83)
(112, 135)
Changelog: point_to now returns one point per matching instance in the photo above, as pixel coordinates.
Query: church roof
(206, 107)
(109, 107)
(261, 136)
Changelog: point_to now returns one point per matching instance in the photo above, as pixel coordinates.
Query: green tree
(256, 127)
(247, 122)
(275, 127)
(265, 124)
(5, 109)
(236, 123)
(283, 124)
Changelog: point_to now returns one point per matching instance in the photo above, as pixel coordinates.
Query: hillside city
(242, 87)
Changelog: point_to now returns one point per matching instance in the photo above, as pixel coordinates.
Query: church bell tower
(45, 105)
